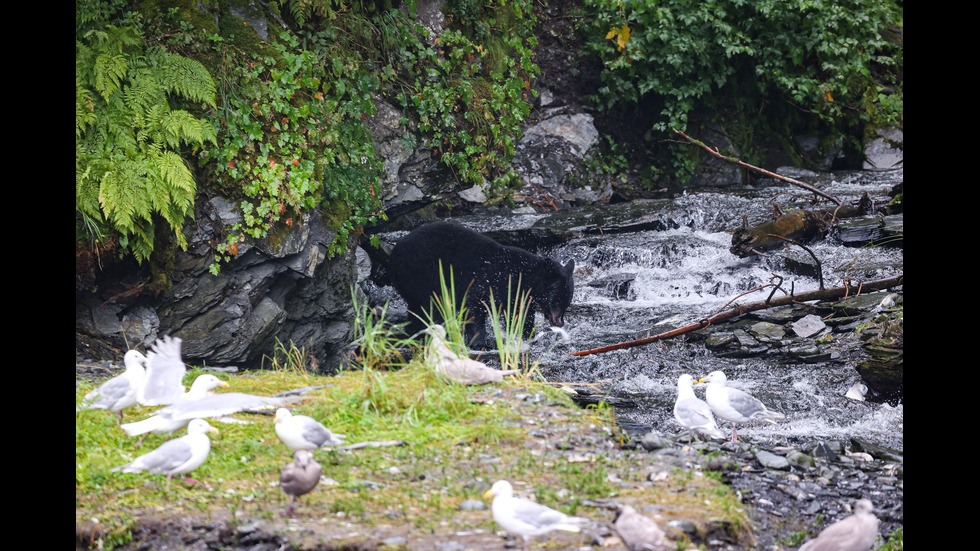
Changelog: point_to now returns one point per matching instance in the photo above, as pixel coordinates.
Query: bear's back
(480, 267)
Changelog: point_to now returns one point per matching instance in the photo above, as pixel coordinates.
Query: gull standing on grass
(527, 518)
(302, 432)
(734, 405)
(178, 456)
(299, 478)
(463, 370)
(119, 392)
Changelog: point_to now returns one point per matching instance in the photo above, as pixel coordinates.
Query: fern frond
(85, 115)
(188, 78)
(144, 92)
(174, 171)
(177, 127)
(128, 168)
(110, 69)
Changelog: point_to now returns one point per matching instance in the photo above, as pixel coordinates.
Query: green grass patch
(458, 440)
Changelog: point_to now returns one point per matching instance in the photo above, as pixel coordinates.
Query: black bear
(479, 265)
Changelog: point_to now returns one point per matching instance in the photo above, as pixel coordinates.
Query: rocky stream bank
(781, 491)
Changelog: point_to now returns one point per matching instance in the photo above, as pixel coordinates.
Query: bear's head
(557, 295)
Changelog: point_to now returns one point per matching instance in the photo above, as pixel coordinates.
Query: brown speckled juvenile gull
(857, 532)
(178, 456)
(452, 367)
(299, 477)
(527, 518)
(639, 533)
(119, 392)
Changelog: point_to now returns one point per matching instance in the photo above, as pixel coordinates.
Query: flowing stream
(660, 265)
(648, 267)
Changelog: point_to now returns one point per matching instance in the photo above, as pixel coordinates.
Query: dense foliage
(280, 125)
(182, 95)
(835, 64)
(128, 138)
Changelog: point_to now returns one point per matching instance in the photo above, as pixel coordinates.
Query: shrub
(833, 63)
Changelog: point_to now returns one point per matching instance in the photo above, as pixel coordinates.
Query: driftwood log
(738, 310)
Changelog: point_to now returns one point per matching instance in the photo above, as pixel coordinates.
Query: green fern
(128, 167)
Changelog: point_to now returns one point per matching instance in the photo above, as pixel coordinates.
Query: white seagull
(177, 415)
(119, 392)
(299, 477)
(452, 367)
(857, 532)
(301, 432)
(527, 518)
(178, 456)
(734, 405)
(200, 402)
(693, 413)
(164, 382)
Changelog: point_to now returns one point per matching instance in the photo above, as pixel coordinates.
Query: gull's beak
(224, 384)
(701, 380)
(214, 430)
(488, 494)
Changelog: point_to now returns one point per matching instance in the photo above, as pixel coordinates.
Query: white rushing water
(633, 285)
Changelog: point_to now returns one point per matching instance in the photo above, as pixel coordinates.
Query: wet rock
(654, 441)
(876, 451)
(770, 460)
(808, 326)
(827, 450)
(860, 232)
(619, 286)
(767, 332)
(800, 459)
(886, 150)
(280, 289)
(546, 158)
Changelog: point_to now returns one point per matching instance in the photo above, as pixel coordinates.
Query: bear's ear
(569, 267)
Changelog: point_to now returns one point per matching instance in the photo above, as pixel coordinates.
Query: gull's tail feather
(142, 427)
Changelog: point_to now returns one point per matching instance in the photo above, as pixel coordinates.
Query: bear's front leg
(476, 330)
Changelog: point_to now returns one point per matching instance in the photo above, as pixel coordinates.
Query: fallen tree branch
(376, 444)
(820, 294)
(714, 152)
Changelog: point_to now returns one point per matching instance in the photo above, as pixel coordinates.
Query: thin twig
(381, 444)
(807, 249)
(739, 162)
